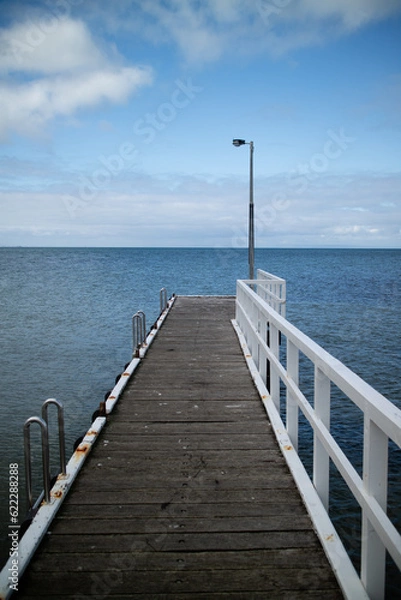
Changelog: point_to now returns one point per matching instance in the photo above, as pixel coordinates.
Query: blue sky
(117, 120)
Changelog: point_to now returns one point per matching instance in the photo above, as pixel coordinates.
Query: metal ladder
(43, 423)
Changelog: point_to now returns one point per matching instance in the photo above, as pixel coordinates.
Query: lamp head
(239, 142)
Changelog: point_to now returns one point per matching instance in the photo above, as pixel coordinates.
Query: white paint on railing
(273, 290)
(259, 326)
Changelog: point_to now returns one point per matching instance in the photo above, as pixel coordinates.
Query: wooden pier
(186, 494)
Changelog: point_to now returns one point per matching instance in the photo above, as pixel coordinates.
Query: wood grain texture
(186, 494)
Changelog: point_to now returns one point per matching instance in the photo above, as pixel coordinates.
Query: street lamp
(251, 235)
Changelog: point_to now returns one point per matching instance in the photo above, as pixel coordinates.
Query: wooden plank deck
(186, 494)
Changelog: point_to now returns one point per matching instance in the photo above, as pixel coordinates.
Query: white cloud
(205, 31)
(27, 107)
(202, 31)
(46, 47)
(54, 68)
(352, 14)
(193, 29)
(195, 211)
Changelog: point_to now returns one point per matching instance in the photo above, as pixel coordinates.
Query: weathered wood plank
(190, 428)
(191, 487)
(186, 494)
(167, 522)
(196, 442)
(190, 561)
(177, 542)
(160, 496)
(208, 457)
(199, 581)
(103, 590)
(291, 506)
(175, 410)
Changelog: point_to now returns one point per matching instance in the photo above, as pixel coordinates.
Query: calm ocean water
(66, 327)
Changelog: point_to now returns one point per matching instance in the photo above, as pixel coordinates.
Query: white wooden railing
(273, 348)
(273, 290)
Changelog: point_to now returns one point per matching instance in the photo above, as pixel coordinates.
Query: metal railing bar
(138, 330)
(61, 434)
(45, 459)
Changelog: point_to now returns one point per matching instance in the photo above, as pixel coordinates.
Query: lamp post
(251, 234)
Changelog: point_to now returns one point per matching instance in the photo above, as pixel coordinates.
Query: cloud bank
(206, 31)
(175, 210)
(57, 70)
(53, 66)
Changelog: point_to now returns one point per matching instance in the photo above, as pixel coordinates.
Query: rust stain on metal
(288, 447)
(111, 398)
(126, 374)
(330, 538)
(82, 448)
(58, 494)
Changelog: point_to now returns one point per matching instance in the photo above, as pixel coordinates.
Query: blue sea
(66, 327)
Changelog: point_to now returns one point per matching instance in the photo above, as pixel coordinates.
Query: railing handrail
(261, 274)
(274, 287)
(61, 434)
(43, 422)
(138, 330)
(356, 388)
(28, 459)
(382, 421)
(261, 283)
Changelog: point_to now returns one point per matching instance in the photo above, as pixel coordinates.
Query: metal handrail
(45, 459)
(138, 329)
(61, 435)
(163, 299)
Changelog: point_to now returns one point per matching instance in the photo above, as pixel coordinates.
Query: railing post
(375, 470)
(262, 357)
(321, 460)
(274, 377)
(292, 406)
(45, 459)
